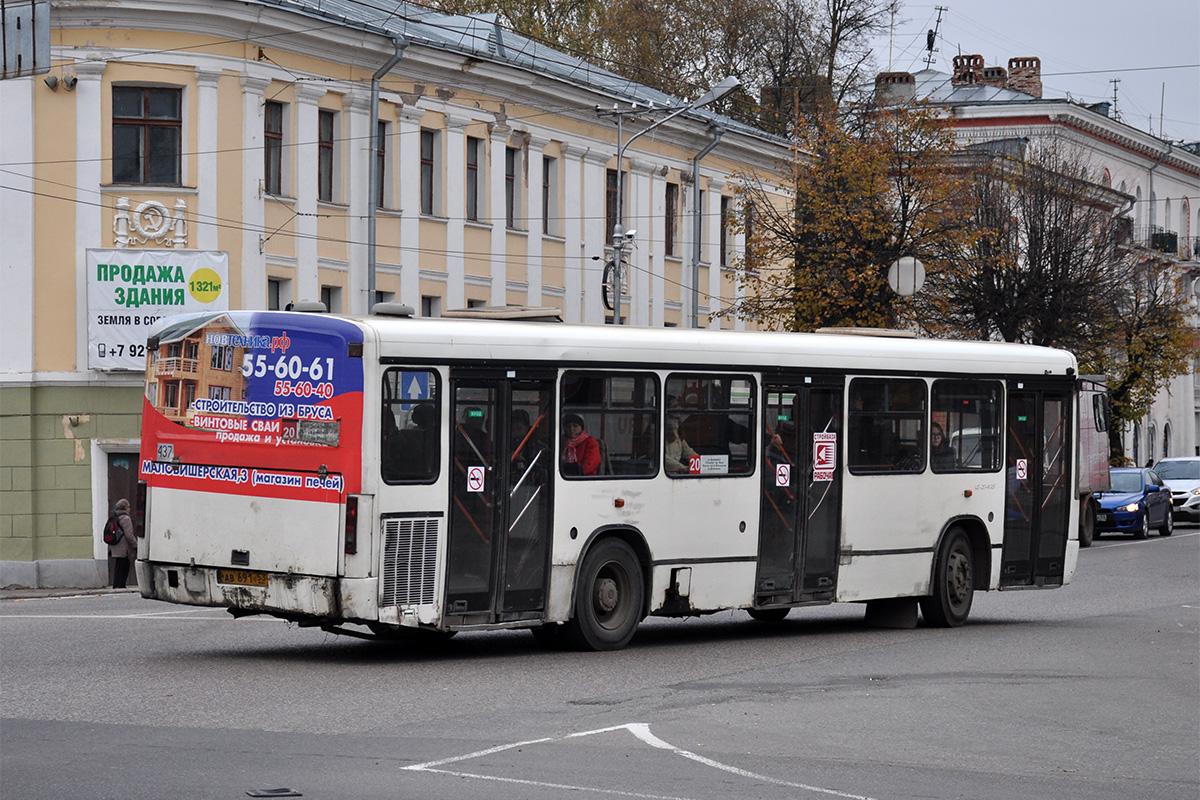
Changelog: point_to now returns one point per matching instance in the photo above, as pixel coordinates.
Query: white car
(1182, 477)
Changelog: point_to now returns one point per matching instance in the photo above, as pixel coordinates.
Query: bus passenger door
(1039, 492)
(501, 468)
(801, 492)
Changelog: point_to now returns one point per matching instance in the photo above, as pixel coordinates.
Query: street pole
(722, 89)
(696, 220)
(376, 178)
(618, 228)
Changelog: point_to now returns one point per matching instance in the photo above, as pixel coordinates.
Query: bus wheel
(953, 584)
(608, 598)
(768, 614)
(1087, 525)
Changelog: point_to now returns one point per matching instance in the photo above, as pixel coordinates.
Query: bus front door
(801, 493)
(500, 499)
(1039, 494)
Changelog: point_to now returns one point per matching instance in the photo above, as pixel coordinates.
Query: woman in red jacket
(581, 453)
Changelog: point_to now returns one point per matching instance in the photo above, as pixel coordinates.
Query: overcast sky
(1083, 45)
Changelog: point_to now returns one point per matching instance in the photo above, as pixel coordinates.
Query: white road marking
(1176, 537)
(640, 730)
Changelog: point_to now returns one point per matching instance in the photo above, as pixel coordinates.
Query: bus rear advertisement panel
(263, 404)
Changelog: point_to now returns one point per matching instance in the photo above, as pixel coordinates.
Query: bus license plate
(241, 577)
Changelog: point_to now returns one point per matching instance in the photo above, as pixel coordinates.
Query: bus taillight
(351, 525)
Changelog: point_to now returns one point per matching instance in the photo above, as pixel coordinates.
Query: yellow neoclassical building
(208, 154)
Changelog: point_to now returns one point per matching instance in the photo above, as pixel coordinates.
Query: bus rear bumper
(284, 595)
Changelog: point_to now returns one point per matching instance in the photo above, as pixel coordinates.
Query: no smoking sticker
(475, 477)
(783, 475)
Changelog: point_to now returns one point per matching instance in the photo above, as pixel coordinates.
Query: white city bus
(390, 474)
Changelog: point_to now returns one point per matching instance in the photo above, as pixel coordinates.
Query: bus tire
(953, 583)
(1087, 523)
(768, 614)
(609, 596)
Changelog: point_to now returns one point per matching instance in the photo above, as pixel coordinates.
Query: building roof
(482, 36)
(936, 87)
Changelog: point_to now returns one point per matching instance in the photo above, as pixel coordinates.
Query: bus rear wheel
(953, 583)
(608, 598)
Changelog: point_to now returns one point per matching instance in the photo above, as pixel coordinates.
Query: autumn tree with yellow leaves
(855, 198)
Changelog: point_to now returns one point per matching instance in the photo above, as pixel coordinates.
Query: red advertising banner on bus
(254, 403)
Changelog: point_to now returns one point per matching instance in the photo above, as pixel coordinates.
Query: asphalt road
(1088, 692)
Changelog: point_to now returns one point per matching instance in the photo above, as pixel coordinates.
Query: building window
(724, 222)
(222, 358)
(331, 296)
(672, 220)
(512, 194)
(381, 164)
(325, 129)
(431, 306)
(273, 148)
(147, 135)
(549, 195)
(428, 171)
(474, 149)
(218, 393)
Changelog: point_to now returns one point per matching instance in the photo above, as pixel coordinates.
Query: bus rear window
(409, 437)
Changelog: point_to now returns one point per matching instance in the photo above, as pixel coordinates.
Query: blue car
(1137, 502)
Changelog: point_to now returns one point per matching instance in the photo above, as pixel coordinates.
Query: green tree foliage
(858, 199)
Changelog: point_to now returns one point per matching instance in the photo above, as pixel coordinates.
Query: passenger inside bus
(676, 451)
(581, 452)
(941, 454)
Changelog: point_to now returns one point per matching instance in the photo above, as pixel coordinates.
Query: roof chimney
(996, 76)
(895, 88)
(968, 70)
(1025, 75)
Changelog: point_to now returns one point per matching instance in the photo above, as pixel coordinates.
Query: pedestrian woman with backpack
(125, 545)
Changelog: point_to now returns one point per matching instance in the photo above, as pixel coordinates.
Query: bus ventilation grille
(409, 561)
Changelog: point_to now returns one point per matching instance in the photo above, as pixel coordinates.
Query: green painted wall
(46, 437)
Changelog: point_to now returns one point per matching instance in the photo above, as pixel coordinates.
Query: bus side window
(886, 430)
(969, 413)
(409, 429)
(709, 425)
(620, 411)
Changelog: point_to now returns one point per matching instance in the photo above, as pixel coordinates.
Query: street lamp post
(722, 89)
